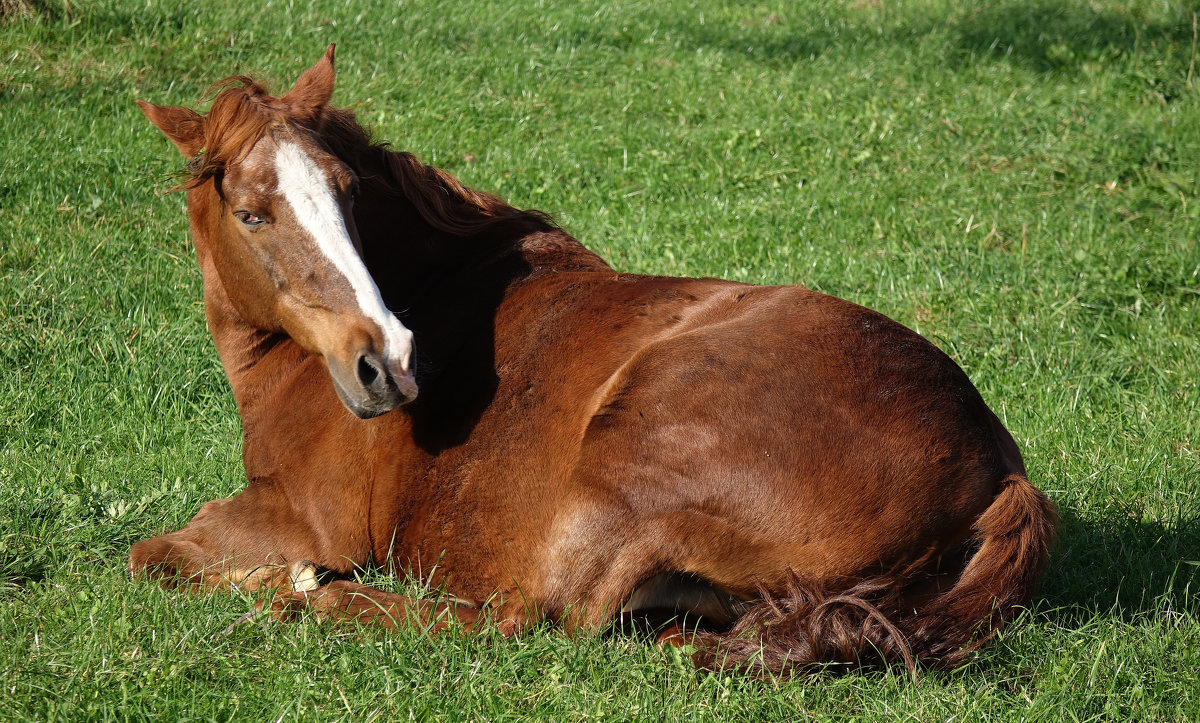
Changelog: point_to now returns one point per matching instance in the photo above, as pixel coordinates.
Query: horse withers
(803, 480)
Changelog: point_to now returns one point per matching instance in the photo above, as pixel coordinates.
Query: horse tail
(870, 625)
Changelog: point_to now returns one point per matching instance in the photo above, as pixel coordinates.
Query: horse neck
(416, 265)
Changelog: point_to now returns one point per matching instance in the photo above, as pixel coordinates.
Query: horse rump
(872, 624)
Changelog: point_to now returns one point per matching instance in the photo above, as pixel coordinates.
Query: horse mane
(441, 199)
(242, 112)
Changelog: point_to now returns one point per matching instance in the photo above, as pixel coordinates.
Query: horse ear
(314, 88)
(184, 127)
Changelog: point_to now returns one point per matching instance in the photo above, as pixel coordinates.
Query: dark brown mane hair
(441, 199)
(243, 111)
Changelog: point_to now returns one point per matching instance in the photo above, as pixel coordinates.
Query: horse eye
(249, 219)
(354, 190)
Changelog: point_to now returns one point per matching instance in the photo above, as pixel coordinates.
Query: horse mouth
(370, 390)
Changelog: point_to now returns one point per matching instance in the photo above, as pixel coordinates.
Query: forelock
(241, 114)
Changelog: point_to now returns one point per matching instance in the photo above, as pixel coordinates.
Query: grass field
(1016, 179)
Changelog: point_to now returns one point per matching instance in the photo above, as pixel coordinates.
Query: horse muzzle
(369, 386)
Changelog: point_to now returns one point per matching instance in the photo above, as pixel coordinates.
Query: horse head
(273, 206)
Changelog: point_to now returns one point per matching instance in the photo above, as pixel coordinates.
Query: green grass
(1016, 180)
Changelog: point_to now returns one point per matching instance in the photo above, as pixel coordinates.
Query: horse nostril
(367, 372)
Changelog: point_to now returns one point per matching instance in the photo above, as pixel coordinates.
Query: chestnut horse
(811, 480)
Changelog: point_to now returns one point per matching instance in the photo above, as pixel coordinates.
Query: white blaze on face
(308, 190)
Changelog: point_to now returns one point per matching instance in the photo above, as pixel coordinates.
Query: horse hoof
(303, 576)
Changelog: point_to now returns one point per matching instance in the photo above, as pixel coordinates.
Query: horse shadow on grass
(1121, 567)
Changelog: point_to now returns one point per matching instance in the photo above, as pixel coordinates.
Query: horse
(434, 383)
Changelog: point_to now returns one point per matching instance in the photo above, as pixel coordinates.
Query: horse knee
(209, 508)
(170, 561)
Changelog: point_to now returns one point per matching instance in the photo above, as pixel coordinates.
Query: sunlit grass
(1015, 180)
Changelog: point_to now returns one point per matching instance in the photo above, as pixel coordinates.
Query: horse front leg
(173, 560)
(255, 540)
(344, 600)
